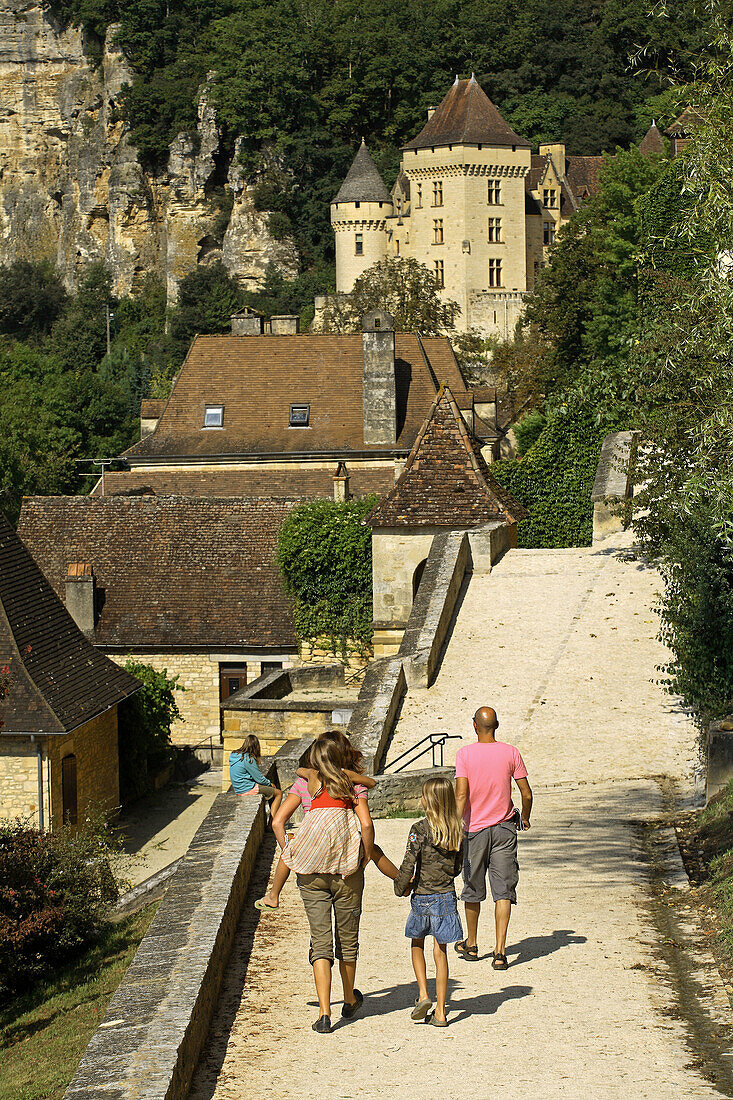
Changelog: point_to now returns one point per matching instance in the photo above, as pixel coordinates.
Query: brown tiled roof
(363, 182)
(283, 484)
(257, 378)
(685, 124)
(446, 481)
(170, 571)
(653, 141)
(583, 176)
(151, 408)
(466, 116)
(58, 680)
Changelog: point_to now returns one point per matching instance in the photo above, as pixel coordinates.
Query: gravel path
(562, 643)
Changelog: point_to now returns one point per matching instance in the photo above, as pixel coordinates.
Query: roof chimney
(80, 596)
(286, 324)
(341, 491)
(380, 398)
(248, 322)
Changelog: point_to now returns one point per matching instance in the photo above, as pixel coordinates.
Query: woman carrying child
(245, 774)
(328, 855)
(433, 859)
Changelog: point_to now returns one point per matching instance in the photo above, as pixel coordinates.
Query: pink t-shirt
(300, 787)
(489, 769)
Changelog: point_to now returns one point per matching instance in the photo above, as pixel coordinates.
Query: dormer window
(214, 416)
(300, 416)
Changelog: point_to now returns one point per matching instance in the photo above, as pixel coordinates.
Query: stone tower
(466, 171)
(358, 217)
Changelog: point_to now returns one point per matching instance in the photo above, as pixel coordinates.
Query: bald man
(484, 773)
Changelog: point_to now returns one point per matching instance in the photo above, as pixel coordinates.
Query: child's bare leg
(282, 873)
(441, 978)
(418, 965)
(275, 804)
(383, 864)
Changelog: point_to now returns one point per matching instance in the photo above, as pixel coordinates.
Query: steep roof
(653, 141)
(58, 680)
(583, 176)
(446, 481)
(257, 378)
(466, 117)
(685, 124)
(363, 182)
(172, 571)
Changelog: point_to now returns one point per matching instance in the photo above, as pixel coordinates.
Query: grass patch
(400, 811)
(708, 837)
(45, 1031)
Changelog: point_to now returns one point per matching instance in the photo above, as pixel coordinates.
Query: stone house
(186, 584)
(58, 707)
(471, 202)
(277, 415)
(445, 486)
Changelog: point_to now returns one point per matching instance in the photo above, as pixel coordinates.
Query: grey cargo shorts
(493, 849)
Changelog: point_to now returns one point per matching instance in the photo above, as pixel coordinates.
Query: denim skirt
(434, 915)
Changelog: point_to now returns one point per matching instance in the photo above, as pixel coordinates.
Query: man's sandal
(466, 952)
(499, 962)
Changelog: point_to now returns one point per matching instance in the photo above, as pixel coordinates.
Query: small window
(437, 192)
(548, 233)
(437, 230)
(214, 416)
(358, 244)
(495, 230)
(549, 197)
(439, 273)
(494, 192)
(418, 196)
(357, 205)
(495, 273)
(300, 416)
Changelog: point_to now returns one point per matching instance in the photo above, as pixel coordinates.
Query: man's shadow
(537, 947)
(400, 998)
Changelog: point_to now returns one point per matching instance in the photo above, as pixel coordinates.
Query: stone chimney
(286, 324)
(380, 398)
(557, 152)
(341, 492)
(248, 322)
(80, 596)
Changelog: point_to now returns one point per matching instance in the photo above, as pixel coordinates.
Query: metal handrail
(436, 741)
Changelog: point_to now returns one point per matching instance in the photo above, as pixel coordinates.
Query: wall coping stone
(615, 467)
(375, 711)
(304, 706)
(150, 1039)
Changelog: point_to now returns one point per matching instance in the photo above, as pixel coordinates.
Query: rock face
(72, 189)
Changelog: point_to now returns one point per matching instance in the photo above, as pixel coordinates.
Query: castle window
(437, 192)
(494, 195)
(359, 244)
(418, 196)
(397, 248)
(495, 273)
(299, 416)
(439, 273)
(214, 416)
(549, 197)
(548, 232)
(495, 230)
(357, 205)
(437, 230)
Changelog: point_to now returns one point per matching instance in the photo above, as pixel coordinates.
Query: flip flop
(499, 962)
(466, 952)
(262, 905)
(421, 1010)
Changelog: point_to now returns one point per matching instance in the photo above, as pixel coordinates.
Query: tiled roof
(151, 408)
(171, 571)
(653, 141)
(363, 182)
(256, 379)
(466, 116)
(686, 124)
(446, 481)
(283, 484)
(58, 680)
(583, 176)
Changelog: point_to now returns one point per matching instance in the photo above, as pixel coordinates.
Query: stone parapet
(719, 756)
(614, 484)
(376, 709)
(399, 792)
(150, 1040)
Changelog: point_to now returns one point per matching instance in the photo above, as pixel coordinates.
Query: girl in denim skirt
(433, 859)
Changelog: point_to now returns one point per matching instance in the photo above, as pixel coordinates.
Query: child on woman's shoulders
(433, 859)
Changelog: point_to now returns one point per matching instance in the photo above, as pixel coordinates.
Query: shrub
(54, 892)
(145, 728)
(325, 557)
(529, 429)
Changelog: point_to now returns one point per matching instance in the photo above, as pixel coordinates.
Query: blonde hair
(327, 760)
(442, 814)
(251, 747)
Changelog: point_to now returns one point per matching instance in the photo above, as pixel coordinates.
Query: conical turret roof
(466, 117)
(446, 481)
(653, 141)
(363, 182)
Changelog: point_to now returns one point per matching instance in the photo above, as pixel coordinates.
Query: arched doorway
(68, 789)
(417, 577)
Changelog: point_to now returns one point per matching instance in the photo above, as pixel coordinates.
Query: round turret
(358, 216)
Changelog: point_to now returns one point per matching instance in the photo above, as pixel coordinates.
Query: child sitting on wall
(246, 777)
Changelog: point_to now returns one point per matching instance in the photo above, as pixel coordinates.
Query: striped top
(328, 841)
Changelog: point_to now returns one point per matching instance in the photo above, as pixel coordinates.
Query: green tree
(145, 722)
(31, 298)
(207, 298)
(403, 287)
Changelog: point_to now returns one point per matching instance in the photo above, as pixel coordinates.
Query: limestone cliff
(72, 189)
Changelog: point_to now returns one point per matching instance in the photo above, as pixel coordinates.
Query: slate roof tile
(466, 116)
(363, 182)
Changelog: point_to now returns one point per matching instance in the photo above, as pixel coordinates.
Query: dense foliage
(54, 892)
(405, 288)
(325, 558)
(145, 722)
(297, 85)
